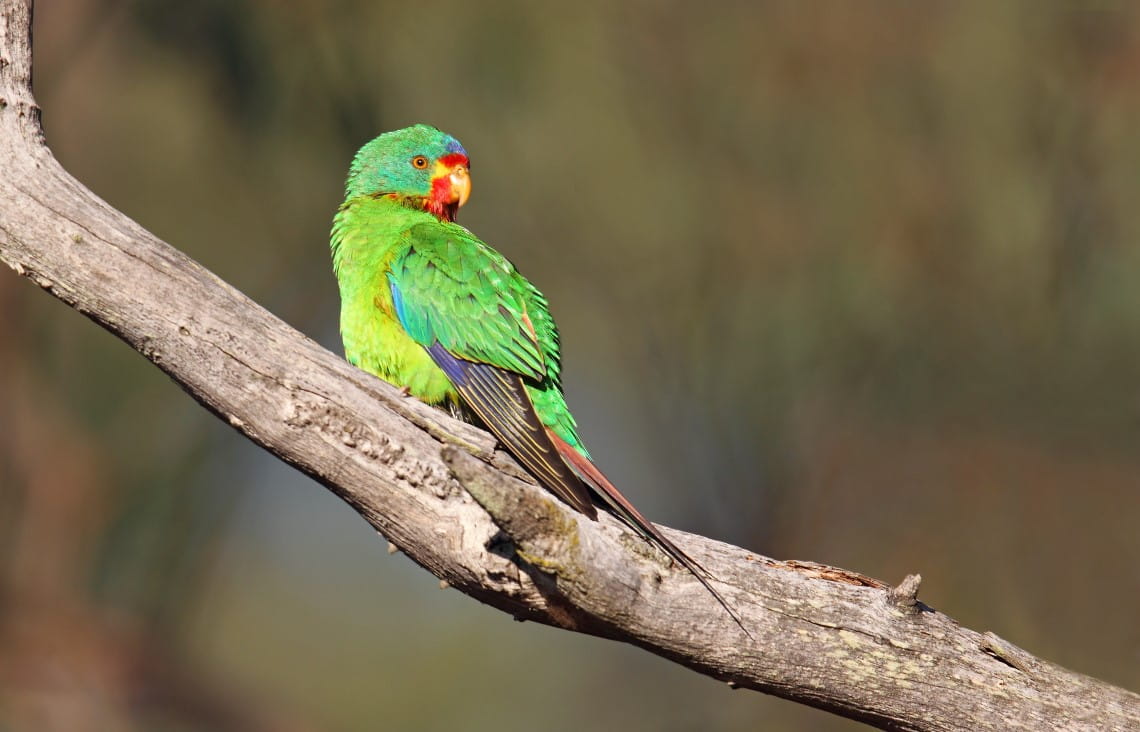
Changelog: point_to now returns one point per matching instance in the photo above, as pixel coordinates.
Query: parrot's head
(418, 164)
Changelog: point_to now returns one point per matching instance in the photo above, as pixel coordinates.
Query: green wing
(451, 288)
(490, 331)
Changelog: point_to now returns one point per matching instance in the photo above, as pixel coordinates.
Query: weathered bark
(441, 493)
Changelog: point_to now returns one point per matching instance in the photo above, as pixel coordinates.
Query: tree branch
(441, 493)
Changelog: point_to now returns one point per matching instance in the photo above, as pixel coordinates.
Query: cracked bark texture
(439, 490)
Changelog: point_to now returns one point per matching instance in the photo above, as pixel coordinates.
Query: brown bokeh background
(850, 282)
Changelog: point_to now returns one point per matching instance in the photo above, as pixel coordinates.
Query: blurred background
(856, 283)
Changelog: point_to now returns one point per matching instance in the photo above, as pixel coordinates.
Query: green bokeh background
(857, 283)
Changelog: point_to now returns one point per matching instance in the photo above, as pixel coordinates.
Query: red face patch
(439, 201)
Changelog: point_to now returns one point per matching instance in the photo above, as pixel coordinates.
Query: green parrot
(427, 306)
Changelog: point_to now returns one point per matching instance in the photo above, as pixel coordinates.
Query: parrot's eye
(420, 162)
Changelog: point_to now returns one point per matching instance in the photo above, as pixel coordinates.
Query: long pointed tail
(625, 510)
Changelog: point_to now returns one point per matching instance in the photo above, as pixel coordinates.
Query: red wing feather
(625, 510)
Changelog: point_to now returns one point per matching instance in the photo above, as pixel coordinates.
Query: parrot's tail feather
(625, 510)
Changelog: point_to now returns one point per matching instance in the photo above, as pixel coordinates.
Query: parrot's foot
(405, 391)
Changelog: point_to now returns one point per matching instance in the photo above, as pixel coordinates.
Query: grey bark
(439, 490)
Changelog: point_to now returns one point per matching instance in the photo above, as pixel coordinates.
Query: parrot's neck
(442, 211)
(365, 230)
(437, 208)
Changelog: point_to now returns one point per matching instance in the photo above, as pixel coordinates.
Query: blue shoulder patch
(397, 301)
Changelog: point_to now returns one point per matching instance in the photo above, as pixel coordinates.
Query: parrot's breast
(376, 342)
(365, 234)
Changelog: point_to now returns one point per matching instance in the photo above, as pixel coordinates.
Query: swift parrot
(429, 307)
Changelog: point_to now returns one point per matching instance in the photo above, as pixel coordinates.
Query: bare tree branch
(441, 493)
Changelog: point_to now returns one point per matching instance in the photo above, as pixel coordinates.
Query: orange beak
(460, 184)
(457, 188)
